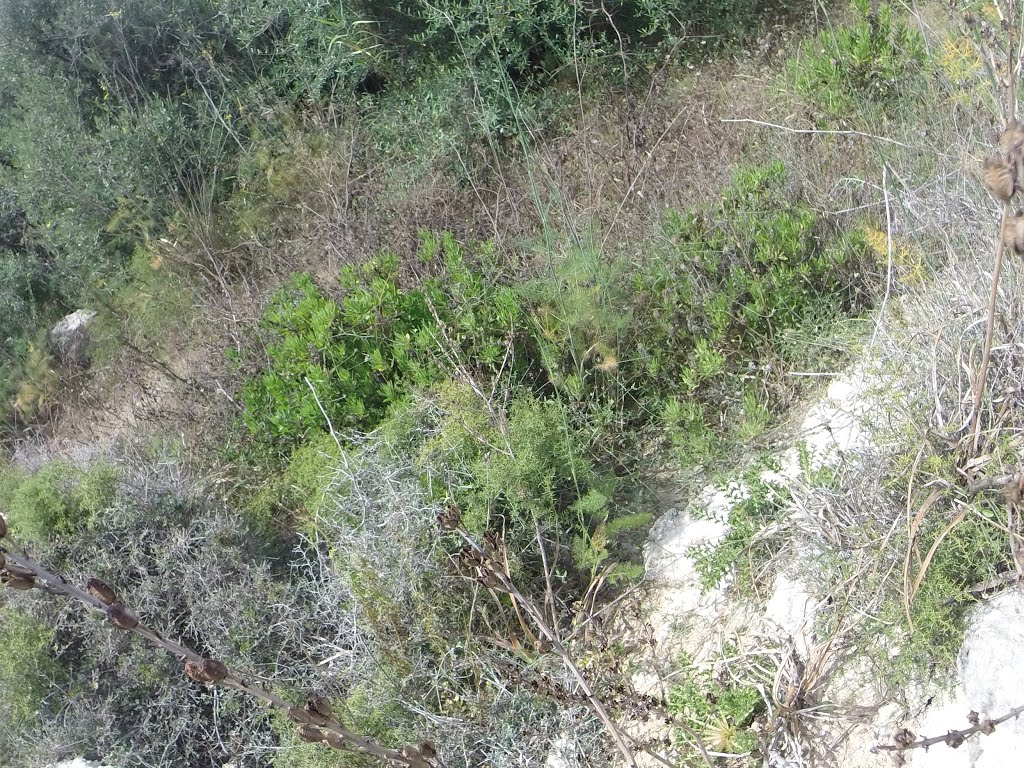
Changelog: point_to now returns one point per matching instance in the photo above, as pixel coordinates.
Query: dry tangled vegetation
(416, 498)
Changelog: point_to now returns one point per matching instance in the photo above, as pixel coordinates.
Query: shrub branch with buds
(316, 721)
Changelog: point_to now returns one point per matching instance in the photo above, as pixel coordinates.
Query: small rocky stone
(69, 339)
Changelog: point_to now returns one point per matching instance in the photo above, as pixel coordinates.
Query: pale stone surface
(69, 338)
(991, 682)
(678, 598)
(790, 613)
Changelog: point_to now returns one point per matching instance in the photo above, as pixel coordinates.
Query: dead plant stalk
(30, 575)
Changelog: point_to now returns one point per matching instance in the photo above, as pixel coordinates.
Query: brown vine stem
(954, 738)
(337, 735)
(1013, 56)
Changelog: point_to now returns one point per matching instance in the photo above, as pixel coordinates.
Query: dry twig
(19, 572)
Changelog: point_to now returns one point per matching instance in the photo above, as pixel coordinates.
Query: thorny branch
(316, 721)
(904, 739)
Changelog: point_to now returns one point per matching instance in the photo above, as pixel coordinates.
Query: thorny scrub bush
(197, 574)
(876, 62)
(436, 653)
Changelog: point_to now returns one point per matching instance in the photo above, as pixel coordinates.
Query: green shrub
(350, 361)
(26, 665)
(974, 552)
(506, 469)
(298, 492)
(877, 60)
(720, 712)
(740, 548)
(675, 337)
(369, 710)
(56, 500)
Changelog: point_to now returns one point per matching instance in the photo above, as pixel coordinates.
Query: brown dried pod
(1013, 235)
(1011, 140)
(321, 705)
(101, 591)
(206, 671)
(315, 717)
(450, 518)
(215, 670)
(903, 737)
(18, 571)
(973, 717)
(19, 583)
(333, 740)
(470, 557)
(3, 527)
(413, 758)
(310, 734)
(121, 617)
(428, 750)
(489, 580)
(300, 715)
(998, 179)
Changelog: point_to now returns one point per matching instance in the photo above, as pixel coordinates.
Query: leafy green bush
(24, 666)
(974, 552)
(720, 712)
(678, 335)
(349, 361)
(56, 500)
(876, 60)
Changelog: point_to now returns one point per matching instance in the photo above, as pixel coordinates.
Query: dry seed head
(333, 740)
(101, 591)
(413, 758)
(450, 518)
(998, 179)
(10, 570)
(121, 617)
(1011, 140)
(1013, 236)
(428, 750)
(315, 717)
(206, 671)
(318, 705)
(310, 734)
(215, 670)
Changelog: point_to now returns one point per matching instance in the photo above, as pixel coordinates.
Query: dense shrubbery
(113, 121)
(527, 403)
(877, 61)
